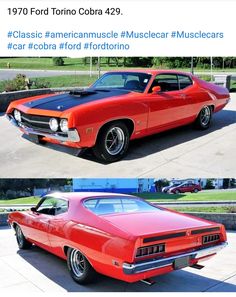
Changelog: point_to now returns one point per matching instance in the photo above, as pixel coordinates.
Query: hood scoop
(82, 93)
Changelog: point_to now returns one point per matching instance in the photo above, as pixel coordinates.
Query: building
(114, 185)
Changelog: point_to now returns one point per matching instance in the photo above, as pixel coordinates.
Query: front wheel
(23, 243)
(195, 190)
(203, 120)
(112, 142)
(80, 269)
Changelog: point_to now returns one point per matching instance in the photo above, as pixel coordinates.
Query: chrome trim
(72, 134)
(33, 121)
(163, 262)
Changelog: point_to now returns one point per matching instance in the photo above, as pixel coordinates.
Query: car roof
(81, 195)
(151, 71)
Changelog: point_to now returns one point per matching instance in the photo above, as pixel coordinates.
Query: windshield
(131, 81)
(102, 206)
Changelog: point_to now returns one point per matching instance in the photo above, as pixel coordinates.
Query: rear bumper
(145, 266)
(71, 136)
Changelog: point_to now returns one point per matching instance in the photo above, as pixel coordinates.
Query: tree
(209, 184)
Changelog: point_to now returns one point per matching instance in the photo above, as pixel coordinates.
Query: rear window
(102, 206)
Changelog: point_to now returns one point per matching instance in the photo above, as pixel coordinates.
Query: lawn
(69, 64)
(152, 197)
(68, 80)
(204, 196)
(26, 200)
(216, 209)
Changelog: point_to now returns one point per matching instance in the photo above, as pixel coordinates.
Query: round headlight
(17, 115)
(53, 124)
(64, 125)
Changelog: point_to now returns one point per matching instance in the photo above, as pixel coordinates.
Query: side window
(53, 206)
(167, 82)
(184, 81)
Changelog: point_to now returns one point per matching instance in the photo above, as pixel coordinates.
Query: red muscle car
(119, 107)
(184, 188)
(117, 235)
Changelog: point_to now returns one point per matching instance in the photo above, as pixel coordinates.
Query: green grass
(211, 196)
(26, 200)
(216, 209)
(70, 64)
(68, 80)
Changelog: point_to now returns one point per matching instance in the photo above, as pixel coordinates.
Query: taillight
(150, 250)
(210, 238)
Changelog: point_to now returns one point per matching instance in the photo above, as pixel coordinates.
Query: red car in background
(119, 107)
(117, 235)
(185, 187)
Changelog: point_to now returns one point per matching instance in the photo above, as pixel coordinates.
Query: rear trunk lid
(164, 232)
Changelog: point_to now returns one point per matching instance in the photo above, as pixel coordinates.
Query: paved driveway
(183, 152)
(35, 270)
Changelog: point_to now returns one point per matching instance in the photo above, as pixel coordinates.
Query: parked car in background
(167, 188)
(185, 187)
(117, 235)
(119, 107)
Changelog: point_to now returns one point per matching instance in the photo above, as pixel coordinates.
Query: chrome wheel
(205, 116)
(77, 262)
(114, 141)
(19, 236)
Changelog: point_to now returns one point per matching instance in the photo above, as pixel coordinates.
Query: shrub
(231, 209)
(40, 84)
(17, 84)
(58, 61)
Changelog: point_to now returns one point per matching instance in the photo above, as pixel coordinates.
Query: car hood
(163, 221)
(66, 101)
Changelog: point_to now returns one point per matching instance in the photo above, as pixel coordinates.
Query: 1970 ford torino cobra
(119, 107)
(117, 235)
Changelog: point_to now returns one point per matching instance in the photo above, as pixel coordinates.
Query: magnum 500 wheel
(112, 142)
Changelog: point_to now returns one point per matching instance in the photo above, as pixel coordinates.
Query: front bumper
(71, 136)
(152, 264)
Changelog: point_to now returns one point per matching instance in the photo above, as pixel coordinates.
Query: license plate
(181, 263)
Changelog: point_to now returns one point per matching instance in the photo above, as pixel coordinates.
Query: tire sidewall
(87, 275)
(199, 122)
(101, 151)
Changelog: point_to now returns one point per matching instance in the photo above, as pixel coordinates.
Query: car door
(169, 106)
(40, 219)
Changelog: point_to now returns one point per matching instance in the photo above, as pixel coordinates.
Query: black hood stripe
(63, 102)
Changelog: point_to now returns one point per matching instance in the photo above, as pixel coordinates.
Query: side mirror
(33, 209)
(156, 89)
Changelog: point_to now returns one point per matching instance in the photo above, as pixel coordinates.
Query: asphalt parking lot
(182, 152)
(35, 270)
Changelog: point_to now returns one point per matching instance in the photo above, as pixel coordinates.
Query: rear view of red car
(186, 187)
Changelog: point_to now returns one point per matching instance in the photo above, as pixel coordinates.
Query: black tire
(195, 190)
(203, 120)
(79, 267)
(118, 135)
(177, 192)
(22, 242)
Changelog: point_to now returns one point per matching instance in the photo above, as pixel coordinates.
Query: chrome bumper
(72, 134)
(163, 262)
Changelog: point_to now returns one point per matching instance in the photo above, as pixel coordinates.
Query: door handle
(183, 96)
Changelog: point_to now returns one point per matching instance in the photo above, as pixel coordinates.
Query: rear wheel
(23, 243)
(112, 142)
(80, 269)
(203, 120)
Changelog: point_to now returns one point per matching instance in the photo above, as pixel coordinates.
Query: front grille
(36, 122)
(210, 238)
(150, 250)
